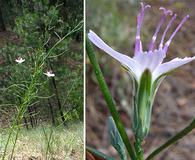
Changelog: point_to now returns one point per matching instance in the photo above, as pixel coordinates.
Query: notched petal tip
(175, 15)
(147, 6)
(144, 6)
(185, 19)
(166, 11)
(187, 16)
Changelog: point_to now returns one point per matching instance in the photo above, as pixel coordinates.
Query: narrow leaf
(115, 139)
(98, 154)
(172, 140)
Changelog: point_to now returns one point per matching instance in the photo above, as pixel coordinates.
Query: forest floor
(33, 144)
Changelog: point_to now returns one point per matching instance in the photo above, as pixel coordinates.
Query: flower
(49, 73)
(146, 67)
(19, 60)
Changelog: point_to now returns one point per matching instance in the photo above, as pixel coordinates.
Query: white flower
(146, 67)
(151, 59)
(19, 60)
(49, 74)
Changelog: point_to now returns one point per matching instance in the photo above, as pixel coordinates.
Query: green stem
(138, 149)
(172, 140)
(48, 140)
(7, 142)
(28, 96)
(109, 100)
(14, 145)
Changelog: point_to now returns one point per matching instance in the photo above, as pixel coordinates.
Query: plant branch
(172, 140)
(109, 100)
(75, 29)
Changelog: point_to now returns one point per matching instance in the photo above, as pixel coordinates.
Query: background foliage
(29, 26)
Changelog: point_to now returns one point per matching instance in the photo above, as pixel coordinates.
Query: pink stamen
(140, 17)
(164, 34)
(176, 30)
(166, 12)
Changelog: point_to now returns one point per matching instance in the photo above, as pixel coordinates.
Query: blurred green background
(115, 22)
(35, 26)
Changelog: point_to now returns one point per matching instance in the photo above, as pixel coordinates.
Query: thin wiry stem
(58, 98)
(28, 96)
(48, 140)
(7, 142)
(109, 100)
(15, 140)
(51, 112)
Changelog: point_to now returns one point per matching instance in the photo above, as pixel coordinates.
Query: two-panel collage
(97, 80)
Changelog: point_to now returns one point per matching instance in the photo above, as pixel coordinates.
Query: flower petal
(170, 66)
(150, 60)
(123, 59)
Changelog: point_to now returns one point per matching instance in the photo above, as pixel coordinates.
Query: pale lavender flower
(19, 60)
(146, 67)
(151, 59)
(49, 73)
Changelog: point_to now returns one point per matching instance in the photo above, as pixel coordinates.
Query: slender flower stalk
(146, 67)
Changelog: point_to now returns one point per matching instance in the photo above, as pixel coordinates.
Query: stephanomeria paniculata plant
(32, 87)
(146, 69)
